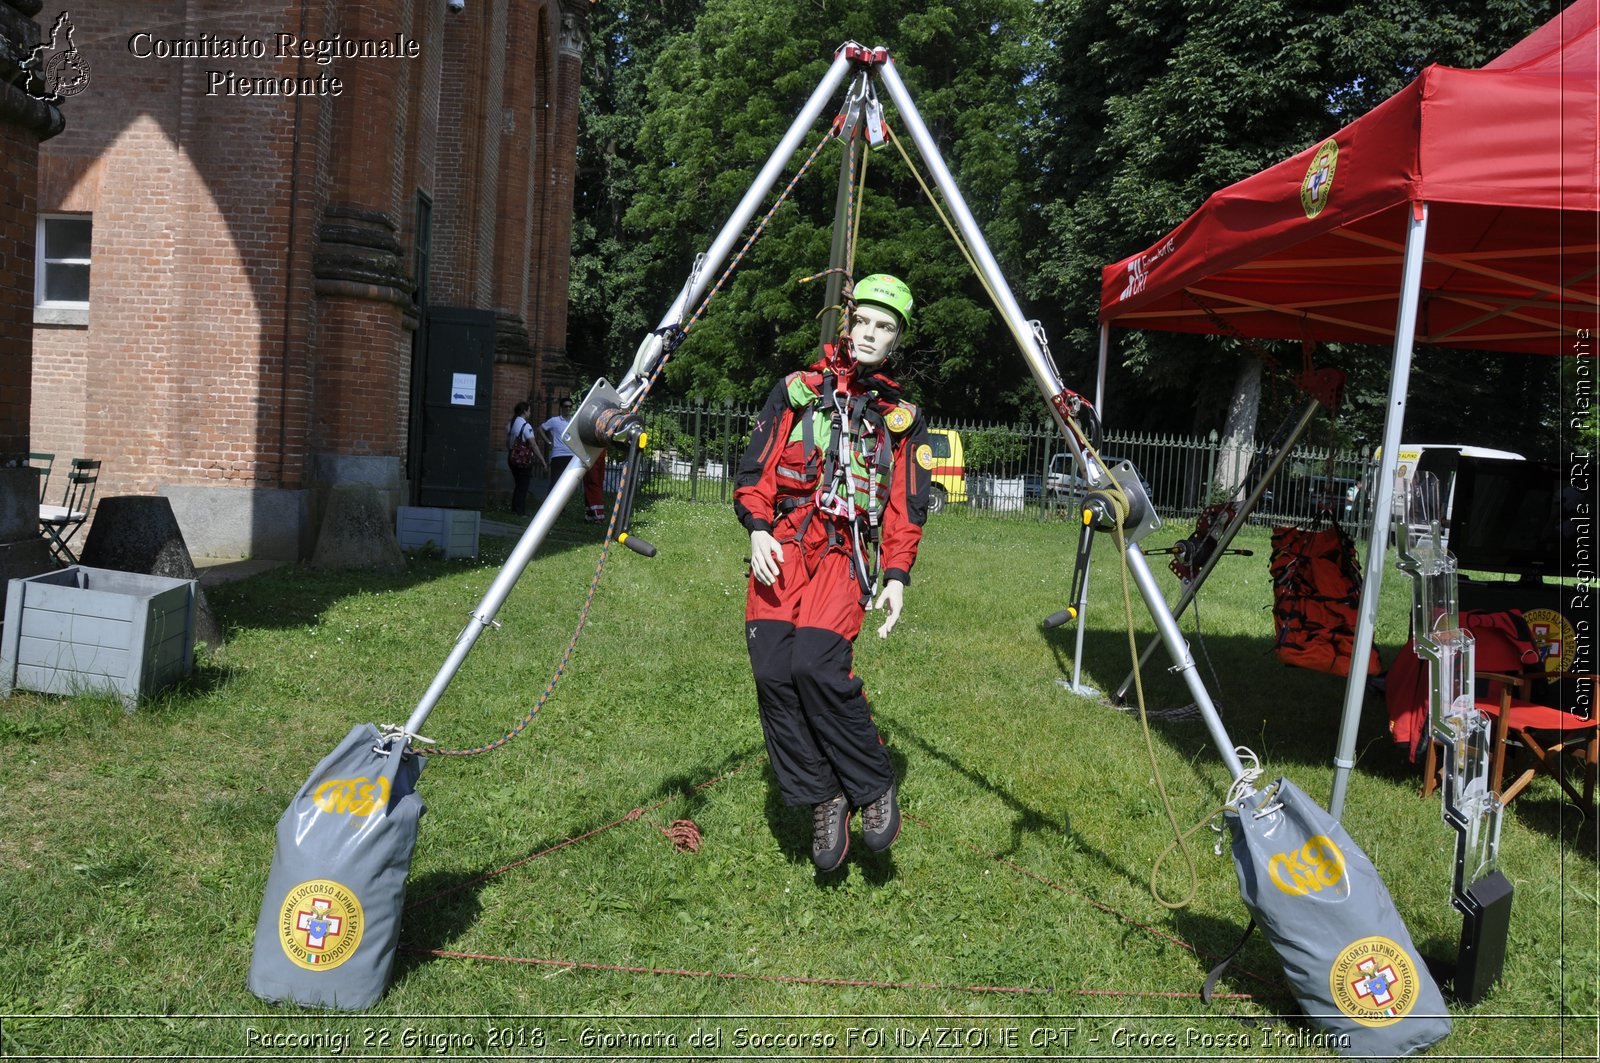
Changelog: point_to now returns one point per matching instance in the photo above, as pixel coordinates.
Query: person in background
(552, 430)
(594, 490)
(521, 452)
(594, 480)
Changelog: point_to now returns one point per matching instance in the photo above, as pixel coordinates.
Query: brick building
(295, 245)
(25, 122)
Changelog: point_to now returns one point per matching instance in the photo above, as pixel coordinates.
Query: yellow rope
(855, 220)
(961, 245)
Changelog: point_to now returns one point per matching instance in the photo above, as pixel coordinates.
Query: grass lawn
(1013, 918)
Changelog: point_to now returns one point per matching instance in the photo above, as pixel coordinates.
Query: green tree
(720, 96)
(1148, 106)
(608, 310)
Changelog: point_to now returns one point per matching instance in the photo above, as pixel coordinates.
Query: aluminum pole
(500, 589)
(1045, 375)
(707, 267)
(1082, 604)
(1100, 370)
(1405, 330)
(1182, 659)
(1228, 534)
(839, 253)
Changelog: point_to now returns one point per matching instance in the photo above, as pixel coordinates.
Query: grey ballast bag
(330, 920)
(1345, 951)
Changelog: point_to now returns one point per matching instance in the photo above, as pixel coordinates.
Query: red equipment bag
(1316, 589)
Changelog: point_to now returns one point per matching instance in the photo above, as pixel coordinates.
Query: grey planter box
(81, 630)
(452, 531)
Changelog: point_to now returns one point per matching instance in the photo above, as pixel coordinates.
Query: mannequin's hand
(891, 598)
(766, 554)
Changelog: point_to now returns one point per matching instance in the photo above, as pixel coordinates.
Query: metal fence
(694, 449)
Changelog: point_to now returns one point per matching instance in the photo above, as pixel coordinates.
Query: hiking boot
(880, 821)
(830, 833)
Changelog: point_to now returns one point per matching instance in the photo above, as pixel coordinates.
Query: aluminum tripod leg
(1082, 605)
(650, 351)
(1228, 533)
(1182, 660)
(1049, 381)
(645, 363)
(1044, 373)
(500, 589)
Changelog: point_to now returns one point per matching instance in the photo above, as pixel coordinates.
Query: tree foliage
(1151, 105)
(719, 96)
(1078, 132)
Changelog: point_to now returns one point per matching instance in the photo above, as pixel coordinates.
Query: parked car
(949, 469)
(1063, 482)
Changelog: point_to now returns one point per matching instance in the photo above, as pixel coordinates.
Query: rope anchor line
(685, 836)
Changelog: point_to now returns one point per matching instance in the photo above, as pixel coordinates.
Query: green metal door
(457, 384)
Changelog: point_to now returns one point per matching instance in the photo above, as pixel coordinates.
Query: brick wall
(251, 322)
(19, 151)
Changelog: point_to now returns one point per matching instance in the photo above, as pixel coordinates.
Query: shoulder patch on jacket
(899, 418)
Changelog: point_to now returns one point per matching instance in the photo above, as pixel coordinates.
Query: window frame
(48, 311)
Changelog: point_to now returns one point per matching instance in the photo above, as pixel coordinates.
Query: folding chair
(43, 463)
(61, 523)
(1531, 737)
(1537, 739)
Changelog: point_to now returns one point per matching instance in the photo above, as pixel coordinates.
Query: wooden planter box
(81, 630)
(453, 531)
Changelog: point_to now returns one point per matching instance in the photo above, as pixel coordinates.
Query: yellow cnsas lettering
(1316, 864)
(357, 797)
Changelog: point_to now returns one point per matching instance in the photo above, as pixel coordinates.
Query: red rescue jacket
(884, 440)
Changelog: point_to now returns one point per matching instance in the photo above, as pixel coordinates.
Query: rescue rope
(1181, 836)
(678, 332)
(679, 829)
(955, 235)
(633, 815)
(1240, 787)
(572, 643)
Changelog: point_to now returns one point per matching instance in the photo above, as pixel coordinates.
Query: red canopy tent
(1463, 211)
(1504, 157)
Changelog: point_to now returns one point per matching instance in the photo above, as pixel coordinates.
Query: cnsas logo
(1315, 866)
(360, 796)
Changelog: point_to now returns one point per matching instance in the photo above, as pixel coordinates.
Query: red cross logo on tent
(1373, 985)
(318, 925)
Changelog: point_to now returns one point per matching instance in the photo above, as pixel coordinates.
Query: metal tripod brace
(1323, 387)
(607, 415)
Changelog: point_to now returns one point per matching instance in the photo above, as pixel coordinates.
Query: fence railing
(695, 448)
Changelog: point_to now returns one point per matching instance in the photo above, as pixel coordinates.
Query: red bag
(1316, 589)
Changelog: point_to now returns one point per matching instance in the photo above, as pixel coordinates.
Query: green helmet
(886, 291)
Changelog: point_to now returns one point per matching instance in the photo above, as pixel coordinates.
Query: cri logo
(1317, 185)
(1316, 864)
(358, 797)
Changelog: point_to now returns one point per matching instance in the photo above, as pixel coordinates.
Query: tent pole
(1100, 371)
(1405, 331)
